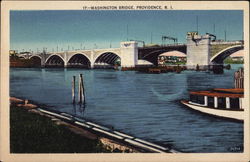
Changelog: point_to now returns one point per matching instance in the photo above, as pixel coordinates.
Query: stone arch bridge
(129, 53)
(89, 58)
(86, 58)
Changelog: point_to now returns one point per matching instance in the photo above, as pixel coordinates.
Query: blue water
(146, 106)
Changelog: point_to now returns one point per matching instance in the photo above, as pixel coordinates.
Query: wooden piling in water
(73, 89)
(79, 90)
(239, 78)
(81, 93)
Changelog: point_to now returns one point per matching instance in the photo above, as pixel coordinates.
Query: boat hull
(231, 114)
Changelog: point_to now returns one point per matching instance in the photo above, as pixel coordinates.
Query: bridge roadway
(128, 54)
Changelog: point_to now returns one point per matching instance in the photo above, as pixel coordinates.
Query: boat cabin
(219, 98)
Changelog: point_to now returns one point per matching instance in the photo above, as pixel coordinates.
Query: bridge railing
(165, 45)
(176, 44)
(228, 42)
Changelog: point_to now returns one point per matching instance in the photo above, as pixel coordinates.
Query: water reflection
(176, 87)
(78, 109)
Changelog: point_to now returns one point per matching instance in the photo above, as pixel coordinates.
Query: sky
(86, 29)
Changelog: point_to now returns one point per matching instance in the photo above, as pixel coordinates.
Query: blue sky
(32, 30)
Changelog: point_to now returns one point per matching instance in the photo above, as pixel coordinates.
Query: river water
(146, 106)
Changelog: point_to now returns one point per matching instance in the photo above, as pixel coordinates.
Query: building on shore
(172, 57)
(13, 52)
(144, 63)
(237, 56)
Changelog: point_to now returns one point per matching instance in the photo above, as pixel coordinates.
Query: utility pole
(127, 32)
(214, 28)
(197, 26)
(163, 38)
(151, 38)
(242, 35)
(225, 32)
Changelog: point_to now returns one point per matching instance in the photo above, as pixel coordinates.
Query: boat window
(222, 102)
(234, 103)
(193, 98)
(201, 99)
(197, 99)
(210, 101)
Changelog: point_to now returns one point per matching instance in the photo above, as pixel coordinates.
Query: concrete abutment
(129, 54)
(198, 51)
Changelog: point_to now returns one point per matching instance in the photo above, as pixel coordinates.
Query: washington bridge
(200, 50)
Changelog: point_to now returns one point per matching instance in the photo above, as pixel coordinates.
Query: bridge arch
(153, 56)
(22, 57)
(54, 61)
(36, 60)
(79, 60)
(110, 58)
(36, 56)
(222, 55)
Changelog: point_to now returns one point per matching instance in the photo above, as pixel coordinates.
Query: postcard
(124, 81)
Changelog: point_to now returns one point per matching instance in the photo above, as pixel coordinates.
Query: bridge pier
(92, 65)
(65, 59)
(198, 51)
(129, 54)
(92, 60)
(42, 65)
(43, 59)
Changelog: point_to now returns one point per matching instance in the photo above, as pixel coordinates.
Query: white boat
(226, 103)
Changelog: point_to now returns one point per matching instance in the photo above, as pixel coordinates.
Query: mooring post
(239, 79)
(80, 89)
(81, 93)
(83, 90)
(73, 89)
